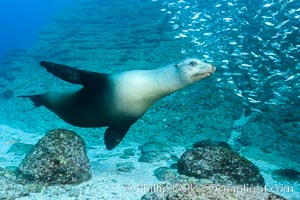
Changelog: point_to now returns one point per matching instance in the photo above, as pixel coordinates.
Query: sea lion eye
(192, 63)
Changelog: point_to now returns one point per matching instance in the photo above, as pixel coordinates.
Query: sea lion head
(193, 70)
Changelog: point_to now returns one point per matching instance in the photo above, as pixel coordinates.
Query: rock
(221, 165)
(155, 152)
(74, 193)
(125, 167)
(8, 174)
(130, 151)
(58, 158)
(197, 191)
(286, 175)
(20, 148)
(13, 169)
(9, 189)
(7, 94)
(124, 156)
(127, 153)
(164, 174)
(206, 143)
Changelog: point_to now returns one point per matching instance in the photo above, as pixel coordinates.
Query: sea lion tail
(37, 99)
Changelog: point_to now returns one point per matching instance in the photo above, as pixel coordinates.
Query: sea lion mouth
(207, 73)
(212, 70)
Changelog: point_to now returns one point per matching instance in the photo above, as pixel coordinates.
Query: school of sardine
(256, 45)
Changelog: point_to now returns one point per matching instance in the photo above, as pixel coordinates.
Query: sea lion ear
(114, 135)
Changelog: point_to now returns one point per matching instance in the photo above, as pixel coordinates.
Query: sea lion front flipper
(73, 75)
(114, 135)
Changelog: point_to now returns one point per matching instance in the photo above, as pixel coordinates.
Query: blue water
(21, 21)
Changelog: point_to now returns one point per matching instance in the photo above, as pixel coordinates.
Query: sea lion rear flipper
(114, 135)
(73, 75)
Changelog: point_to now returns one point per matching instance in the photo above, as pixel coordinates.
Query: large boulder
(58, 158)
(220, 165)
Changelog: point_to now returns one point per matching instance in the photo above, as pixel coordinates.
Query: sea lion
(116, 100)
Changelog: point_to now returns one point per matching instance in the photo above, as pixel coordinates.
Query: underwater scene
(150, 99)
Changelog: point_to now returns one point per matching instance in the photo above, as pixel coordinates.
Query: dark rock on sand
(164, 174)
(220, 165)
(125, 167)
(58, 158)
(286, 175)
(155, 152)
(128, 152)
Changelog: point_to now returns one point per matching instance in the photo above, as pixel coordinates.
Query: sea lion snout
(205, 68)
(208, 69)
(213, 69)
